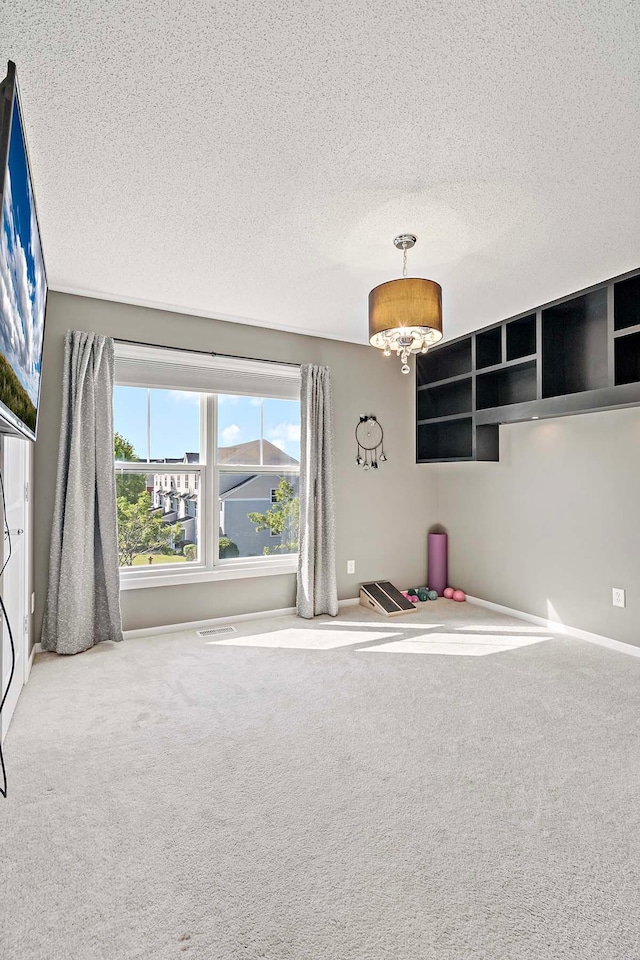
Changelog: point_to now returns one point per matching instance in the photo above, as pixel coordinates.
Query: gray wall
(382, 516)
(552, 527)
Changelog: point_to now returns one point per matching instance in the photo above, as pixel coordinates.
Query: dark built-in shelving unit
(578, 354)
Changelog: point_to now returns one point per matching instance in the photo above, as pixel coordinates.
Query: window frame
(209, 566)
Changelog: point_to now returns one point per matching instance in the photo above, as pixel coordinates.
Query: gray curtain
(317, 590)
(83, 598)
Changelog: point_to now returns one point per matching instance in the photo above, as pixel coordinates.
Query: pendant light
(405, 315)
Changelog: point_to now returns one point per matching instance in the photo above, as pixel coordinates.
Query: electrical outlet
(351, 566)
(619, 597)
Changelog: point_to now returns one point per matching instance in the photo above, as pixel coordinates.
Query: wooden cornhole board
(382, 597)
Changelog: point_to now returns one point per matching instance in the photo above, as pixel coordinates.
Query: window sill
(232, 572)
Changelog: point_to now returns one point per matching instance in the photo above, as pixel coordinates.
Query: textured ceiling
(253, 159)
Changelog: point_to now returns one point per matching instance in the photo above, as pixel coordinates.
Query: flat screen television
(23, 280)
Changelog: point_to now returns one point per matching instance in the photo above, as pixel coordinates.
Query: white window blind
(142, 366)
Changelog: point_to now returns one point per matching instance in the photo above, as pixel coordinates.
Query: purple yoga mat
(438, 573)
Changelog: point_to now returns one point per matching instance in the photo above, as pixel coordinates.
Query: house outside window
(230, 505)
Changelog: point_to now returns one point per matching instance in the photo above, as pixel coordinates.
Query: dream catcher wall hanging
(370, 440)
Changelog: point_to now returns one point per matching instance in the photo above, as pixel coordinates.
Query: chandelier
(405, 315)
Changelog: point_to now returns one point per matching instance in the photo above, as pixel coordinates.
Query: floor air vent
(215, 631)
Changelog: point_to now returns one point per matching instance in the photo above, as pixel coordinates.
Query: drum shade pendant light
(405, 315)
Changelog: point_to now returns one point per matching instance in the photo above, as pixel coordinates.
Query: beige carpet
(444, 787)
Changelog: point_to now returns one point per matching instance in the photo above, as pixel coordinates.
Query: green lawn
(142, 559)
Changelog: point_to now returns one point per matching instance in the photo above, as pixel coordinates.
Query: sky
(22, 277)
(175, 421)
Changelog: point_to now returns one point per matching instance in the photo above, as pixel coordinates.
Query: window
(230, 503)
(274, 499)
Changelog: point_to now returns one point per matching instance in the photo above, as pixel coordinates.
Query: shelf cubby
(626, 303)
(627, 359)
(489, 348)
(445, 400)
(487, 442)
(574, 345)
(447, 440)
(515, 384)
(521, 337)
(451, 360)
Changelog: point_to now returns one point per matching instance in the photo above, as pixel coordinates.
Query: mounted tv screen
(23, 281)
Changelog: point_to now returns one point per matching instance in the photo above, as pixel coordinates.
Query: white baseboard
(218, 621)
(203, 624)
(29, 663)
(554, 626)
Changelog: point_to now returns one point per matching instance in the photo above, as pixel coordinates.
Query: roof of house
(236, 484)
(241, 455)
(249, 454)
(186, 458)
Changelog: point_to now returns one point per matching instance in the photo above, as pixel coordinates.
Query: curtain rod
(208, 353)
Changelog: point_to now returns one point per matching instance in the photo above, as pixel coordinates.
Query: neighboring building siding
(252, 497)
